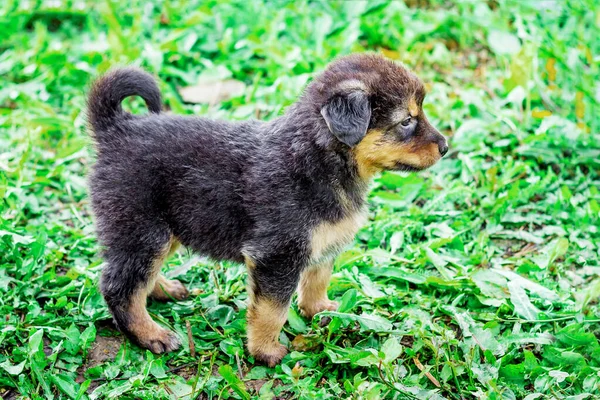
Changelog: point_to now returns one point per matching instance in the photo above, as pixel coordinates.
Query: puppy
(284, 196)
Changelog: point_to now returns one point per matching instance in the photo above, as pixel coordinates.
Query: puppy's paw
(272, 355)
(169, 289)
(309, 311)
(160, 341)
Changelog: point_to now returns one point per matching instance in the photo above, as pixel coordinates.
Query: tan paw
(159, 341)
(309, 311)
(169, 289)
(271, 356)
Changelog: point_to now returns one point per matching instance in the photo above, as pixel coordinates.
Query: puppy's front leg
(270, 292)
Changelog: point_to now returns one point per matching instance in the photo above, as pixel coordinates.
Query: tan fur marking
(351, 84)
(330, 236)
(159, 261)
(147, 332)
(141, 325)
(168, 289)
(413, 108)
(312, 290)
(265, 320)
(175, 244)
(376, 153)
(366, 154)
(249, 262)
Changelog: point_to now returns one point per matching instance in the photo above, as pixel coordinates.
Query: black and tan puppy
(283, 196)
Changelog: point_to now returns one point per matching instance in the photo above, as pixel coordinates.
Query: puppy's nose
(443, 146)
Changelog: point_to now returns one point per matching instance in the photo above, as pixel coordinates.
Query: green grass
(476, 279)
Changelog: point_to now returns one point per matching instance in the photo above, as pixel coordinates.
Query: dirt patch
(47, 346)
(188, 372)
(255, 385)
(407, 341)
(8, 394)
(103, 349)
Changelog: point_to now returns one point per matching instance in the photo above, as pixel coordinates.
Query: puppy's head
(374, 107)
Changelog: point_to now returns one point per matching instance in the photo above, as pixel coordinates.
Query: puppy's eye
(406, 122)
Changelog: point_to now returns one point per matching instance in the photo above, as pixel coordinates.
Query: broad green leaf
(520, 301)
(560, 376)
(348, 301)
(483, 338)
(527, 338)
(258, 372)
(532, 287)
(398, 273)
(513, 372)
(521, 235)
(157, 369)
(266, 392)
(365, 358)
(36, 345)
(65, 384)
(296, 321)
(234, 381)
(563, 358)
(18, 239)
(366, 321)
(439, 263)
(73, 336)
(391, 349)
(576, 335)
(588, 293)
(533, 396)
(87, 337)
(231, 346)
(396, 241)
(490, 283)
(370, 288)
(557, 248)
(503, 43)
(12, 369)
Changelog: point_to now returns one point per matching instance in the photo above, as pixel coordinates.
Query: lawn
(476, 279)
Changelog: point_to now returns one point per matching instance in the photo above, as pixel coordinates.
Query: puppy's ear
(348, 116)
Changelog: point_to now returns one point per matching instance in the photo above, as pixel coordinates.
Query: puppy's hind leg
(312, 291)
(169, 289)
(133, 266)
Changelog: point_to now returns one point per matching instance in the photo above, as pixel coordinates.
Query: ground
(476, 279)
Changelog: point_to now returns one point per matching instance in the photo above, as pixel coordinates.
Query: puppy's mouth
(407, 168)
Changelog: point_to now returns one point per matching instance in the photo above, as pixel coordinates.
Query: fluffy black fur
(231, 189)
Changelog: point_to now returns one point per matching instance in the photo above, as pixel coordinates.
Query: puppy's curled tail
(107, 93)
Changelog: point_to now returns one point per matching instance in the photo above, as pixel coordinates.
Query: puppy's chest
(329, 239)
